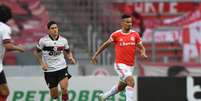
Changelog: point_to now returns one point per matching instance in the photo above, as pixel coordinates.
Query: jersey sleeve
(40, 44)
(6, 34)
(112, 37)
(66, 46)
(138, 39)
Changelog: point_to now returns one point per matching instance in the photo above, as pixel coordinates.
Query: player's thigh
(63, 78)
(64, 83)
(51, 79)
(3, 85)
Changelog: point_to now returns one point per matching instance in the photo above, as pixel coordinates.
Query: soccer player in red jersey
(126, 41)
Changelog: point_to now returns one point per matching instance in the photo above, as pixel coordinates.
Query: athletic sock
(111, 92)
(65, 97)
(129, 93)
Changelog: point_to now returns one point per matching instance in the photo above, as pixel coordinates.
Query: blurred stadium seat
(170, 32)
(81, 20)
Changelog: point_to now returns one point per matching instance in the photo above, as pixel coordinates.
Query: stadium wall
(80, 88)
(87, 89)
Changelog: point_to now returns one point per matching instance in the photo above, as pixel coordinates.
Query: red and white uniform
(125, 44)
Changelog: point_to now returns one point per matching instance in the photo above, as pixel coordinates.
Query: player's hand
(44, 67)
(94, 60)
(72, 60)
(21, 48)
(144, 55)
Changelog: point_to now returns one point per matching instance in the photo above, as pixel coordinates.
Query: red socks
(65, 97)
(3, 98)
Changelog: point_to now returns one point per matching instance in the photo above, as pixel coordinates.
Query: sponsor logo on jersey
(127, 43)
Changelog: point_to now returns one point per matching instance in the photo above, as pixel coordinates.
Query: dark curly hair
(50, 23)
(5, 13)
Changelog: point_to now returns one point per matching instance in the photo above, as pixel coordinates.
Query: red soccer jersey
(125, 44)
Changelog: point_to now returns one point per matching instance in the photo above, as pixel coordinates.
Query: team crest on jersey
(121, 39)
(132, 38)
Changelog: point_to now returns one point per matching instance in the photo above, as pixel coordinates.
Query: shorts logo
(48, 84)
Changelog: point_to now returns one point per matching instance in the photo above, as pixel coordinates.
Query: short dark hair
(5, 13)
(125, 16)
(175, 69)
(51, 23)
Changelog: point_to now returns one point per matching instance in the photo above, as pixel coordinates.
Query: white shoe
(101, 97)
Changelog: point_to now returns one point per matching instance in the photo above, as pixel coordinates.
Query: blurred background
(170, 30)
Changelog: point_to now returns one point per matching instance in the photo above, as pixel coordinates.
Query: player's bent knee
(122, 86)
(64, 88)
(130, 81)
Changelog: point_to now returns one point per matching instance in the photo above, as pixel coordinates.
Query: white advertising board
(80, 88)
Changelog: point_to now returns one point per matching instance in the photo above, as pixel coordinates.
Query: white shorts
(123, 70)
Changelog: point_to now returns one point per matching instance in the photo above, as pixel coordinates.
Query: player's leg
(130, 88)
(118, 87)
(54, 92)
(126, 76)
(64, 90)
(129, 80)
(114, 90)
(52, 83)
(4, 91)
(64, 76)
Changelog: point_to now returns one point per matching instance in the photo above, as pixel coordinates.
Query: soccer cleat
(101, 97)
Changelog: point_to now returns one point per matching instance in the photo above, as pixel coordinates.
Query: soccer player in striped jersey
(126, 41)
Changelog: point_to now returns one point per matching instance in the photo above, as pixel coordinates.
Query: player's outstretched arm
(12, 47)
(99, 50)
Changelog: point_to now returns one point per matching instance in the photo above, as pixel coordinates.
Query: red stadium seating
(168, 51)
(30, 16)
(10, 59)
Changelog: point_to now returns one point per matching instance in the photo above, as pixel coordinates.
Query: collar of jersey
(125, 33)
(53, 38)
